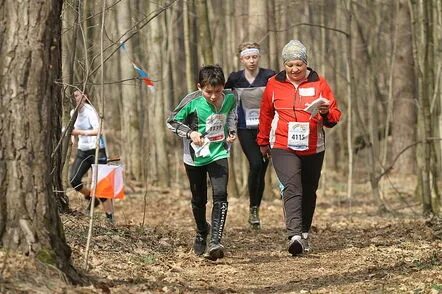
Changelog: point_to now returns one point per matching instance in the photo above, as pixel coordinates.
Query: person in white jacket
(86, 130)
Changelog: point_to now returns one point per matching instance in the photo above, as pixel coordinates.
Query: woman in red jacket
(295, 106)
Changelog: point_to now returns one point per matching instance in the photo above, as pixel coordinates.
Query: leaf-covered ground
(355, 250)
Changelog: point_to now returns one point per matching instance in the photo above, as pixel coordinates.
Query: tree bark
(157, 102)
(30, 59)
(205, 36)
(130, 119)
(258, 29)
(423, 34)
(188, 41)
(69, 42)
(404, 95)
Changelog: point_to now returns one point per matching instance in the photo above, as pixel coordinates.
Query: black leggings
(83, 162)
(218, 173)
(257, 164)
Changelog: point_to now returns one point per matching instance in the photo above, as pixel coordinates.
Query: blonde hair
(247, 45)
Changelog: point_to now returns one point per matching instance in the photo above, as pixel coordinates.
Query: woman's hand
(324, 108)
(265, 151)
(197, 138)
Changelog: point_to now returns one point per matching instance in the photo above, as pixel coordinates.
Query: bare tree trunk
(437, 95)
(240, 18)
(404, 87)
(258, 28)
(170, 96)
(188, 41)
(338, 160)
(30, 104)
(157, 117)
(273, 36)
(70, 54)
(230, 46)
(426, 154)
(351, 96)
(428, 87)
(117, 93)
(438, 67)
(370, 135)
(130, 119)
(205, 36)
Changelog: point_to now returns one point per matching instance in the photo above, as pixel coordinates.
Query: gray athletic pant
(299, 178)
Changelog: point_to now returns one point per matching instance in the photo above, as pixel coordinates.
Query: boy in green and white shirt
(206, 120)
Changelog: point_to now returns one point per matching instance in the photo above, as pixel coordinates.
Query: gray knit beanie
(294, 50)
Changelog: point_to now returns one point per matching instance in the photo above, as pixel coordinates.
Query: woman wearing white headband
(250, 83)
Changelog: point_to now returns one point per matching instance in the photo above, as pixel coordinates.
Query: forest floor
(355, 250)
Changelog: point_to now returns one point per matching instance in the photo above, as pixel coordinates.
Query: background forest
(382, 58)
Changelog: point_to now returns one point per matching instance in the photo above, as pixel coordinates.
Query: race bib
(298, 135)
(215, 127)
(250, 102)
(252, 117)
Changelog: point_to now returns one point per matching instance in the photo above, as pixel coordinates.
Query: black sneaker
(296, 245)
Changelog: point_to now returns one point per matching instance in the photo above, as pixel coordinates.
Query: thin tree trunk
(70, 53)
(351, 95)
(230, 46)
(157, 47)
(404, 94)
(423, 36)
(370, 135)
(258, 28)
(205, 36)
(130, 119)
(190, 75)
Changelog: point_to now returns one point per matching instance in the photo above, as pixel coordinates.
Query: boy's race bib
(215, 127)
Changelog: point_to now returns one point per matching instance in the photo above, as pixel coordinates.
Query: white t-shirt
(87, 119)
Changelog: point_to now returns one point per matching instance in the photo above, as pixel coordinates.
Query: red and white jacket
(282, 103)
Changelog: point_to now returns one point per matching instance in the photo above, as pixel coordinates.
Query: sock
(295, 237)
(304, 235)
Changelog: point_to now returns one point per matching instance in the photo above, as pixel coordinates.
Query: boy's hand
(197, 138)
(231, 137)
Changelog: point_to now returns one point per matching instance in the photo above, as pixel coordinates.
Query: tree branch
(161, 10)
(388, 169)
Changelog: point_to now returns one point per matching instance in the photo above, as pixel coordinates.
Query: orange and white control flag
(110, 181)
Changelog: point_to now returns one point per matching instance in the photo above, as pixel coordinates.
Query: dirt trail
(364, 253)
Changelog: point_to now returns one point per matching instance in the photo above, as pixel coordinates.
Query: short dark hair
(212, 75)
